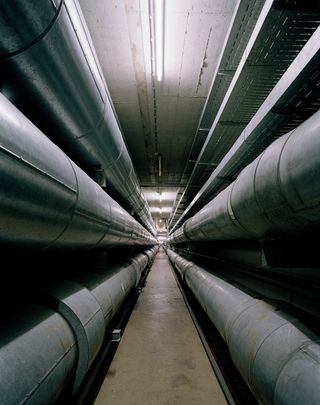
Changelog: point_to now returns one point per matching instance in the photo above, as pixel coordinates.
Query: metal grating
(295, 98)
(281, 38)
(240, 33)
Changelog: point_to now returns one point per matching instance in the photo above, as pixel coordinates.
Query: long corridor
(160, 360)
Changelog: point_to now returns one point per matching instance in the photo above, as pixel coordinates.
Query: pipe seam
(38, 38)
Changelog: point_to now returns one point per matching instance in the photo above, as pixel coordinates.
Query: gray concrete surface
(160, 360)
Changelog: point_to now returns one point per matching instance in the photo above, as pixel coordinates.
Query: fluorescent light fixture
(160, 165)
(160, 197)
(159, 25)
(156, 8)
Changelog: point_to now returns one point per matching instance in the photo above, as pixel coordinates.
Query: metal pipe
(47, 345)
(37, 358)
(278, 357)
(52, 74)
(46, 201)
(277, 194)
(85, 317)
(178, 236)
(151, 252)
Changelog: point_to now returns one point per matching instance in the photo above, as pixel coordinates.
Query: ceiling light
(160, 165)
(157, 15)
(160, 197)
(159, 25)
(160, 210)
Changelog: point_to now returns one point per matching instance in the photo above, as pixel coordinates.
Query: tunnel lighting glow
(156, 210)
(152, 195)
(158, 8)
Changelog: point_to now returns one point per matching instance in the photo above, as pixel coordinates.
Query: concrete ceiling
(159, 119)
(222, 60)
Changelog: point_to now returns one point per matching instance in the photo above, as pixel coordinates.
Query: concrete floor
(160, 359)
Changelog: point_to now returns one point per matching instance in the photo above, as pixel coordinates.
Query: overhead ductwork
(50, 339)
(277, 356)
(278, 194)
(52, 75)
(47, 201)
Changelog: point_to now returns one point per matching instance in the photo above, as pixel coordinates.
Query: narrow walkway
(160, 360)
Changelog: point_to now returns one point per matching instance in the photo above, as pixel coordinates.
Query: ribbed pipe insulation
(277, 356)
(278, 194)
(47, 201)
(50, 64)
(48, 345)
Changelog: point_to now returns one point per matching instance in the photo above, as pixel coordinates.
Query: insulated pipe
(53, 75)
(277, 194)
(47, 345)
(178, 236)
(278, 357)
(37, 358)
(140, 261)
(84, 315)
(47, 202)
(151, 253)
(143, 260)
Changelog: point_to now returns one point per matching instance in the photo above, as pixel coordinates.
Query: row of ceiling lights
(156, 13)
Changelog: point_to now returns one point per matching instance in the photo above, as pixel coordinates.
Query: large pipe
(54, 77)
(278, 357)
(46, 201)
(45, 346)
(278, 194)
